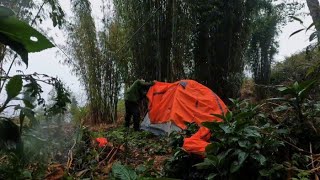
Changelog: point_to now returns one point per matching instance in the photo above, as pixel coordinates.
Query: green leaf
(27, 174)
(285, 90)
(123, 173)
(219, 116)
(21, 37)
(296, 86)
(242, 156)
(29, 113)
(226, 129)
(15, 46)
(229, 116)
(264, 172)
(206, 164)
(5, 12)
(21, 119)
(222, 156)
(311, 70)
(251, 131)
(26, 100)
(296, 32)
(211, 176)
(260, 158)
(244, 143)
(313, 36)
(234, 167)
(213, 126)
(297, 19)
(28, 104)
(14, 87)
(312, 24)
(212, 148)
(22, 32)
(244, 115)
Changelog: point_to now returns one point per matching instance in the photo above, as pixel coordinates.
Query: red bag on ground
(102, 141)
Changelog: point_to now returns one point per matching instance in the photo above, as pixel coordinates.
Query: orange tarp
(185, 101)
(198, 142)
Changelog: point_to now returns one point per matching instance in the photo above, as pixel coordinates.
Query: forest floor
(141, 151)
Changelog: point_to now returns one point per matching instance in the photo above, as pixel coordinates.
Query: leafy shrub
(293, 68)
(244, 145)
(301, 119)
(181, 166)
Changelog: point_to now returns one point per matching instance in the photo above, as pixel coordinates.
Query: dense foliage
(23, 95)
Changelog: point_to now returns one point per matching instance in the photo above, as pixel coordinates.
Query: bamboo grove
(168, 40)
(93, 63)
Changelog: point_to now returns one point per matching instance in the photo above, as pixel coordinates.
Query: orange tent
(184, 101)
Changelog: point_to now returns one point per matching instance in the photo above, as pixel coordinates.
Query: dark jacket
(135, 92)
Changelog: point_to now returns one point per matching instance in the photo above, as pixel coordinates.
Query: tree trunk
(314, 9)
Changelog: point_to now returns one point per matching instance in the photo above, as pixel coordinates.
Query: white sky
(47, 61)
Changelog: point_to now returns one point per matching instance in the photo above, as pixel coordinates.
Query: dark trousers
(132, 110)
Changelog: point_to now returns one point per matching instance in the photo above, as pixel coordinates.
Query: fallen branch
(110, 155)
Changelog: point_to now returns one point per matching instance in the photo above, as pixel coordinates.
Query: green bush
(294, 68)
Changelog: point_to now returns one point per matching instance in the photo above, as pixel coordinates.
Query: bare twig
(14, 58)
(109, 154)
(111, 158)
(70, 155)
(314, 169)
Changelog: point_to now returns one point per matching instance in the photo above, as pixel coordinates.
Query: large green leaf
(206, 164)
(14, 87)
(21, 32)
(286, 90)
(19, 36)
